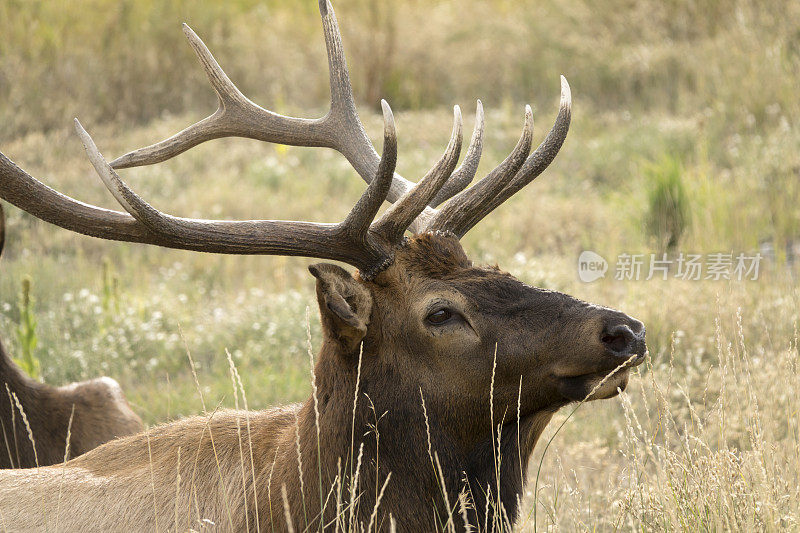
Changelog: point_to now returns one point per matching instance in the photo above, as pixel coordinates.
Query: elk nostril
(619, 339)
(637, 327)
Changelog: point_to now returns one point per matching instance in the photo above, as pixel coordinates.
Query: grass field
(705, 438)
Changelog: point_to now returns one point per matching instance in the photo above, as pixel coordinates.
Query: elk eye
(439, 317)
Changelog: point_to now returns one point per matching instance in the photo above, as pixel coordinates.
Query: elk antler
(469, 167)
(357, 240)
(462, 212)
(340, 129)
(352, 241)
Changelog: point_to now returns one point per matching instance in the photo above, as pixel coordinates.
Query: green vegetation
(26, 332)
(668, 205)
(686, 115)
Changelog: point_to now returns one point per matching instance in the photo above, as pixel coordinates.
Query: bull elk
(435, 377)
(92, 412)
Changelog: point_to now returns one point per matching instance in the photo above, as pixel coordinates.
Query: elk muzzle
(602, 370)
(623, 338)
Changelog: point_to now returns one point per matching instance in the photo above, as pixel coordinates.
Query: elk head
(418, 318)
(453, 327)
(479, 347)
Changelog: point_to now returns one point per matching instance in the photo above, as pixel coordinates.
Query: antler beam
(350, 241)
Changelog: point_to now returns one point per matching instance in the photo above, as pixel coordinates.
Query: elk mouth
(597, 385)
(578, 388)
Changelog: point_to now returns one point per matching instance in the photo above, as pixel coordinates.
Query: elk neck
(390, 430)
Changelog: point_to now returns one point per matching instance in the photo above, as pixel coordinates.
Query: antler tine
(464, 174)
(235, 116)
(129, 200)
(226, 90)
(470, 205)
(459, 223)
(341, 89)
(358, 221)
(397, 219)
(544, 154)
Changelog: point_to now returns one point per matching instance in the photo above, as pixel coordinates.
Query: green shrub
(26, 332)
(668, 213)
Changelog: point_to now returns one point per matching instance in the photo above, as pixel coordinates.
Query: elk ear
(344, 305)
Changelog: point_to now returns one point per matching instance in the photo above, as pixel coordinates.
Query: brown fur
(549, 341)
(101, 413)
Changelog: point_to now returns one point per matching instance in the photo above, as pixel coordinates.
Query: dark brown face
(444, 322)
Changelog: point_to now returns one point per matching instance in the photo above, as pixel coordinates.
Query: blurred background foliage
(127, 60)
